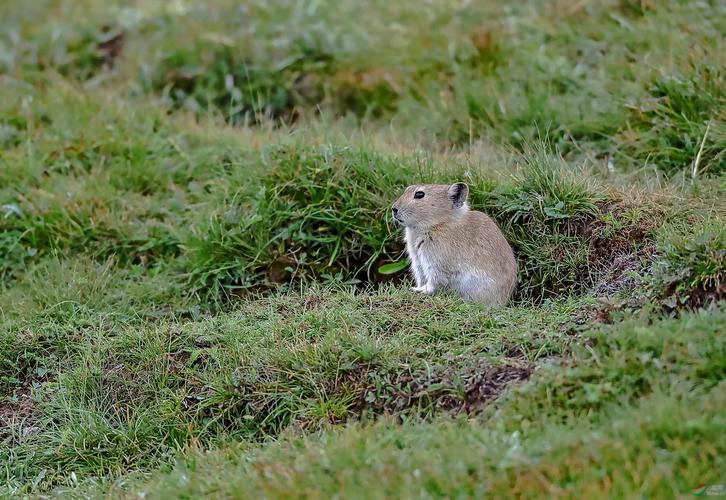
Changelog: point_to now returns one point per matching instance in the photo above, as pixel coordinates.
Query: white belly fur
(425, 270)
(413, 256)
(469, 283)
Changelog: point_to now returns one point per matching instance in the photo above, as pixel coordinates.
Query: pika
(451, 246)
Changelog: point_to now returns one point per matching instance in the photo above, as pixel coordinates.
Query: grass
(691, 265)
(253, 372)
(194, 224)
(565, 433)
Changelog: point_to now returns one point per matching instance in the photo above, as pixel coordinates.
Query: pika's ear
(458, 193)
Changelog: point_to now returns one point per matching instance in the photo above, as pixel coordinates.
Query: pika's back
(474, 239)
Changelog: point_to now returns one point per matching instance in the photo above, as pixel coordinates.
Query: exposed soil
(20, 414)
(452, 389)
(701, 296)
(613, 254)
(110, 45)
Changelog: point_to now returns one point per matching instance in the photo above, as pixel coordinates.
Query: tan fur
(451, 246)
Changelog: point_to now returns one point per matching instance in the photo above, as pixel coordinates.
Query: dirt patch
(617, 276)
(451, 389)
(18, 412)
(281, 269)
(697, 297)
(618, 260)
(616, 256)
(709, 293)
(178, 361)
(110, 45)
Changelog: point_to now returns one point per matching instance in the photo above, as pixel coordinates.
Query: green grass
(296, 359)
(639, 410)
(691, 265)
(194, 221)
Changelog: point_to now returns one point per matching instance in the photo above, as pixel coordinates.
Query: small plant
(394, 267)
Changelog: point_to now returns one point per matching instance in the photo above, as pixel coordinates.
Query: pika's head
(427, 205)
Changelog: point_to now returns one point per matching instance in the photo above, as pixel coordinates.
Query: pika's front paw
(428, 289)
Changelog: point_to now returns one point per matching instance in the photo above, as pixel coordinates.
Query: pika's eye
(418, 195)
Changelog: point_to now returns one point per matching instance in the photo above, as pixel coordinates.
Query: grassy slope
(641, 411)
(141, 250)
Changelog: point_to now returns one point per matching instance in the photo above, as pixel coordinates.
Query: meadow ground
(201, 291)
